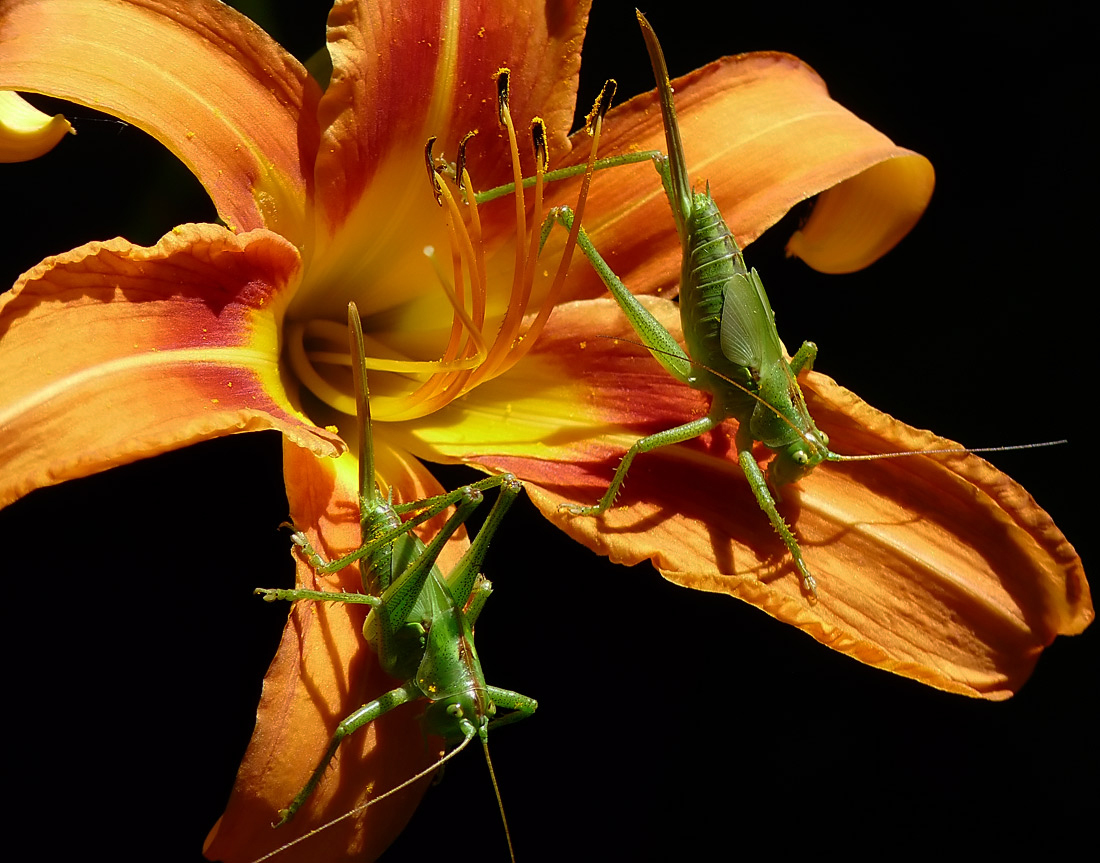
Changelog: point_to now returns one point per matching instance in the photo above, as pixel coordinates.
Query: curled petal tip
(859, 220)
(25, 132)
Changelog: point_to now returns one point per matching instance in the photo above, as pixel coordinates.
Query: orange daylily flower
(937, 568)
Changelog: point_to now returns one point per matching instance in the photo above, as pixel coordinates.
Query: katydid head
(798, 458)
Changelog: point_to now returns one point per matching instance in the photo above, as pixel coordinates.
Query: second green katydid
(420, 624)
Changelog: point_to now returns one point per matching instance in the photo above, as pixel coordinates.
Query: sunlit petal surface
(124, 352)
(939, 568)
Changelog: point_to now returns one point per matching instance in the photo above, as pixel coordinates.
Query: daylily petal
(939, 568)
(25, 132)
(389, 56)
(198, 76)
(115, 352)
(323, 671)
(762, 130)
(858, 221)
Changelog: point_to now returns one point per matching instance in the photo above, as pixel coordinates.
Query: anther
(502, 76)
(460, 163)
(429, 161)
(601, 106)
(538, 139)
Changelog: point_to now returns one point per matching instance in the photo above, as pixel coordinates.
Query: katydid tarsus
(421, 623)
(733, 354)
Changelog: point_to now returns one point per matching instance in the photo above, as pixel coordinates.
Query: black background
(670, 722)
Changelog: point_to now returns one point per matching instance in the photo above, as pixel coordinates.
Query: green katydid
(733, 349)
(421, 624)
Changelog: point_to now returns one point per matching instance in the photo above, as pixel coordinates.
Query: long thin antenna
(837, 457)
(496, 788)
(875, 456)
(425, 772)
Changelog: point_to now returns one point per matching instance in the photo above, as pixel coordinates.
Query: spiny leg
(521, 705)
(272, 594)
(665, 349)
(364, 715)
(463, 577)
(759, 485)
(675, 435)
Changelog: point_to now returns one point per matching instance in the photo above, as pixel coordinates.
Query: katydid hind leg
(664, 347)
(682, 433)
(463, 577)
(349, 725)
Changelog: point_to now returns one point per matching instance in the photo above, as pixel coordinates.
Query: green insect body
(421, 623)
(733, 350)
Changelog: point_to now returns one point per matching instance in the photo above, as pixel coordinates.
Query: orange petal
(324, 670)
(937, 568)
(405, 72)
(200, 77)
(25, 132)
(763, 131)
(114, 352)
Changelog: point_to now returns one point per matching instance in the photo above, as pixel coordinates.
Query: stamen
(320, 329)
(473, 232)
(452, 373)
(593, 124)
(517, 306)
(308, 375)
(460, 164)
(502, 76)
(501, 347)
(429, 161)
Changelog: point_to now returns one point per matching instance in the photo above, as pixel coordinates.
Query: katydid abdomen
(711, 260)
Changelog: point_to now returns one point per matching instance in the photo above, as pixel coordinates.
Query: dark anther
(460, 165)
(429, 161)
(502, 77)
(538, 138)
(602, 104)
